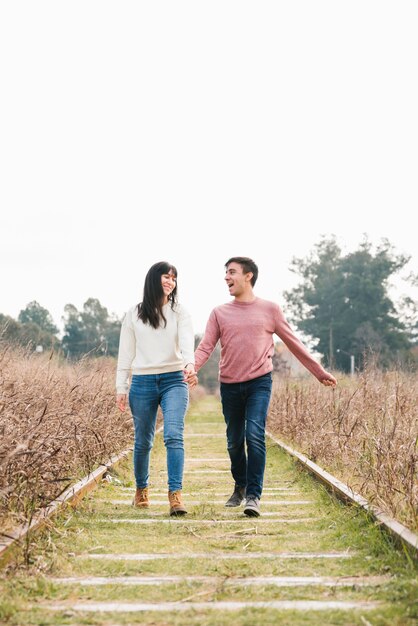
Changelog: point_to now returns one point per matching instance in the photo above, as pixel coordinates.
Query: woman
(156, 349)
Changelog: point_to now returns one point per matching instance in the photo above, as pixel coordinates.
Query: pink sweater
(245, 330)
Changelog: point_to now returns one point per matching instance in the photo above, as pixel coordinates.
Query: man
(245, 327)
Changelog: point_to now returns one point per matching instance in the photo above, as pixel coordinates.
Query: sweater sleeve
(208, 342)
(296, 347)
(186, 336)
(127, 349)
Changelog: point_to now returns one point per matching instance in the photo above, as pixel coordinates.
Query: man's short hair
(247, 265)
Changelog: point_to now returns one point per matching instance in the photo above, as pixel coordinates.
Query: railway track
(309, 559)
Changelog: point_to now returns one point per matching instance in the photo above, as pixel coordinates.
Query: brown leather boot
(141, 498)
(176, 504)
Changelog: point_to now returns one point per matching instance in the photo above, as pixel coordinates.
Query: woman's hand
(190, 375)
(121, 399)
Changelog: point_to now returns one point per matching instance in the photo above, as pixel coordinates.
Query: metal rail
(400, 532)
(71, 496)
(76, 492)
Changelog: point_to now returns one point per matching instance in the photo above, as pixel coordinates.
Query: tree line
(341, 306)
(91, 330)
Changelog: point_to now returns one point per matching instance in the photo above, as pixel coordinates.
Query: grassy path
(308, 560)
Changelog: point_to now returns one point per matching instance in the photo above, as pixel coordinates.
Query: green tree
(91, 330)
(343, 303)
(27, 334)
(37, 314)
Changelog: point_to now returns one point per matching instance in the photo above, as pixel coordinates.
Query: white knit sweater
(147, 350)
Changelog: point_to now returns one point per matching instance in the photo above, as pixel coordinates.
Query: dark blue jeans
(146, 394)
(245, 406)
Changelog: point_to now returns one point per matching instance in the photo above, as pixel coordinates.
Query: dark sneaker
(252, 507)
(237, 497)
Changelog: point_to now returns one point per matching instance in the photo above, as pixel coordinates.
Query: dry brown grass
(364, 432)
(57, 422)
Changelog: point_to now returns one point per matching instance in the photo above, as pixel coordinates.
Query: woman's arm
(127, 349)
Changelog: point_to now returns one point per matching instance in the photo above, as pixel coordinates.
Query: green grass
(63, 549)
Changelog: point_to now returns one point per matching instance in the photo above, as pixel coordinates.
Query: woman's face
(168, 283)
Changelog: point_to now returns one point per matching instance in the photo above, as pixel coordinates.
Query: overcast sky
(134, 132)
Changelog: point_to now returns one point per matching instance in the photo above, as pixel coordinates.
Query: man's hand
(121, 399)
(329, 380)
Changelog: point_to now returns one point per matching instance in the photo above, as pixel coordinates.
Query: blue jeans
(245, 406)
(146, 394)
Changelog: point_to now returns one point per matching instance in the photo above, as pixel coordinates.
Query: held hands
(190, 375)
(121, 399)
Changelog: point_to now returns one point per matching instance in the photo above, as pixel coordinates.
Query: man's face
(236, 279)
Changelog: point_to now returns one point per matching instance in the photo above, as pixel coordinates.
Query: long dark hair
(150, 310)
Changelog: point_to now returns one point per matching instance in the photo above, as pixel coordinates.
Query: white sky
(134, 132)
